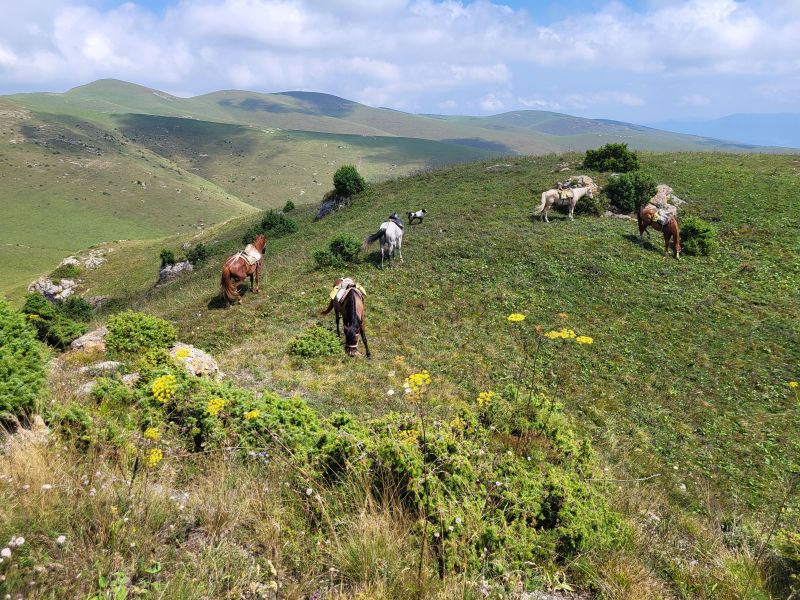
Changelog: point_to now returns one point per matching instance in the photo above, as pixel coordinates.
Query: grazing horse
(241, 265)
(390, 234)
(347, 300)
(665, 222)
(551, 197)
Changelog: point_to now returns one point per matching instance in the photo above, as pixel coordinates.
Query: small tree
(342, 249)
(167, 258)
(698, 237)
(198, 254)
(348, 181)
(288, 207)
(630, 191)
(612, 157)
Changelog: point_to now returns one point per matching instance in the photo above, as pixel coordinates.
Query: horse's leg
(364, 339)
(336, 309)
(382, 247)
(572, 204)
(400, 247)
(666, 242)
(258, 283)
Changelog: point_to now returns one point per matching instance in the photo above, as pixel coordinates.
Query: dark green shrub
(276, 224)
(612, 157)
(596, 206)
(199, 254)
(138, 332)
(77, 309)
(698, 237)
(167, 258)
(629, 191)
(52, 324)
(342, 249)
(317, 341)
(288, 207)
(22, 372)
(66, 272)
(348, 181)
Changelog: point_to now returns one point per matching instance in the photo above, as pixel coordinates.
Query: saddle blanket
(565, 194)
(250, 254)
(340, 291)
(662, 217)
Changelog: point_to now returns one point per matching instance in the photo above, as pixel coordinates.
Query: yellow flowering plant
(215, 406)
(484, 398)
(253, 414)
(164, 388)
(182, 353)
(153, 456)
(516, 317)
(152, 433)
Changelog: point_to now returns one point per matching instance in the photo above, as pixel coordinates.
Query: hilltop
(682, 393)
(114, 160)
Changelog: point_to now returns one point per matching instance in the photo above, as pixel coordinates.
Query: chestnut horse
(648, 217)
(351, 308)
(241, 265)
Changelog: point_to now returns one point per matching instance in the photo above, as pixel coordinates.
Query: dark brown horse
(351, 307)
(241, 265)
(648, 217)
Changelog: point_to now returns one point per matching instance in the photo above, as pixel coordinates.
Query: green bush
(167, 258)
(76, 308)
(198, 254)
(317, 341)
(22, 373)
(66, 272)
(130, 332)
(348, 181)
(612, 157)
(276, 224)
(629, 191)
(698, 237)
(288, 207)
(596, 206)
(342, 249)
(52, 323)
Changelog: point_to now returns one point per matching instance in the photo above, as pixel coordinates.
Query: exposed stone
(101, 367)
(170, 272)
(330, 202)
(195, 361)
(36, 433)
(70, 260)
(130, 379)
(86, 388)
(98, 301)
(614, 215)
(94, 341)
(53, 291)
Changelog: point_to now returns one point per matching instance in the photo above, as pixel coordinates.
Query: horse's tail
(372, 238)
(227, 284)
(327, 310)
(539, 210)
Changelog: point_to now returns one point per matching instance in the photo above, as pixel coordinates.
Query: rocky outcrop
(170, 272)
(195, 361)
(54, 291)
(94, 341)
(331, 202)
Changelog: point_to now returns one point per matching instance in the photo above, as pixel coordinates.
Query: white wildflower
(5, 552)
(47, 486)
(309, 491)
(61, 540)
(390, 392)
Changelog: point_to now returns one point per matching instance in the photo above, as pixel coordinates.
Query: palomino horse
(390, 234)
(241, 265)
(347, 300)
(551, 197)
(648, 216)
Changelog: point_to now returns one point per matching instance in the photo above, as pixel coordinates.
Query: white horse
(551, 197)
(390, 234)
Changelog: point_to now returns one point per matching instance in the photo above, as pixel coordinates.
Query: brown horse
(648, 217)
(349, 303)
(241, 265)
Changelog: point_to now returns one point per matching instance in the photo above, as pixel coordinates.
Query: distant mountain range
(779, 129)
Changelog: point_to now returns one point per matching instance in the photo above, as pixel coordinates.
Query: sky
(632, 60)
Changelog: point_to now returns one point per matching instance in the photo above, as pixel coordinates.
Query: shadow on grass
(644, 242)
(217, 302)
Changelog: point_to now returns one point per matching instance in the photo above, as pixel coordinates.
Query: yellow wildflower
(516, 317)
(165, 387)
(793, 384)
(152, 433)
(416, 382)
(584, 339)
(215, 406)
(153, 456)
(568, 334)
(253, 414)
(409, 436)
(458, 424)
(564, 334)
(182, 353)
(484, 398)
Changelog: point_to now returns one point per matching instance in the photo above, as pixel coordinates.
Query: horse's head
(260, 242)
(351, 337)
(590, 192)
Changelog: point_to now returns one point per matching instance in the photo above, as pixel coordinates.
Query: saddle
(346, 285)
(397, 221)
(565, 194)
(250, 255)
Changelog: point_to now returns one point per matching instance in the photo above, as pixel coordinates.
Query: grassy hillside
(683, 390)
(687, 374)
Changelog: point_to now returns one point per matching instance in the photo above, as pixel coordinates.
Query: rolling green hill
(683, 391)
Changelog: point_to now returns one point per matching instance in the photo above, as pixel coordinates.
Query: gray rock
(170, 272)
(98, 301)
(99, 368)
(53, 291)
(130, 379)
(196, 362)
(86, 388)
(70, 260)
(94, 341)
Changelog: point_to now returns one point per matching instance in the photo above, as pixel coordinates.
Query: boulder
(195, 361)
(53, 291)
(170, 272)
(94, 341)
